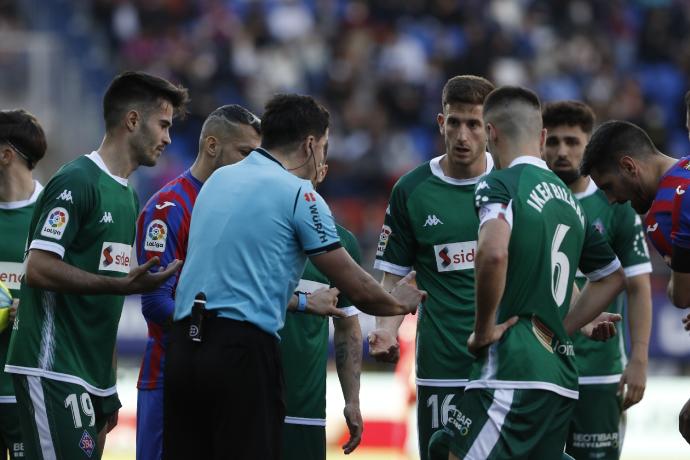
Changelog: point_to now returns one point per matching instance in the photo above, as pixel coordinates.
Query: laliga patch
(156, 236)
(455, 256)
(383, 240)
(87, 444)
(56, 223)
(115, 257)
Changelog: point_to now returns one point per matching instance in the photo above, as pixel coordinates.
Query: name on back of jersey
(156, 236)
(455, 256)
(544, 192)
(115, 257)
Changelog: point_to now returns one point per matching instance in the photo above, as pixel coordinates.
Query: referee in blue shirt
(253, 226)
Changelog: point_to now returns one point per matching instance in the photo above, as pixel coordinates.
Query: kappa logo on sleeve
(156, 236)
(56, 223)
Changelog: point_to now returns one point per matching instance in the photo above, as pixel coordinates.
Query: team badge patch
(383, 240)
(56, 223)
(87, 444)
(156, 236)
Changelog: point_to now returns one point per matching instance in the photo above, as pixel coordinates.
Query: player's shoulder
(409, 181)
(173, 196)
(345, 234)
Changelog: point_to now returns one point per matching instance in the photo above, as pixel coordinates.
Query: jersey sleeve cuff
(323, 249)
(639, 269)
(48, 246)
(605, 271)
(350, 311)
(391, 268)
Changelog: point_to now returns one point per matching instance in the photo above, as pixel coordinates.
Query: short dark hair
(687, 100)
(24, 133)
(612, 140)
(466, 89)
(140, 90)
(508, 94)
(569, 113)
(234, 113)
(289, 118)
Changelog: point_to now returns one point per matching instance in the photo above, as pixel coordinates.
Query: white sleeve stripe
(350, 311)
(48, 246)
(391, 268)
(603, 272)
(491, 211)
(639, 269)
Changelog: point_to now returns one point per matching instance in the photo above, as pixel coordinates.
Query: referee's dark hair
(23, 133)
(610, 142)
(290, 118)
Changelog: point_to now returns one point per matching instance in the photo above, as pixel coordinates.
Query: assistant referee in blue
(253, 226)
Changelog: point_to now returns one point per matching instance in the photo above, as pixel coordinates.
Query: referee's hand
(323, 302)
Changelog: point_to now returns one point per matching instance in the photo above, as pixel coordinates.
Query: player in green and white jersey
(533, 235)
(304, 348)
(80, 240)
(22, 145)
(431, 227)
(597, 428)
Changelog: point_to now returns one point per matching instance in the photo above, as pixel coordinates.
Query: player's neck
(663, 164)
(201, 171)
(580, 184)
(459, 171)
(16, 185)
(113, 154)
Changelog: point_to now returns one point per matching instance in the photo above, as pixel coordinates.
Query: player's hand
(475, 343)
(406, 292)
(686, 322)
(353, 418)
(141, 280)
(13, 309)
(635, 379)
(684, 421)
(383, 346)
(602, 328)
(323, 302)
(112, 421)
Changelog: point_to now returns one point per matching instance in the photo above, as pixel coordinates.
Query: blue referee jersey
(253, 226)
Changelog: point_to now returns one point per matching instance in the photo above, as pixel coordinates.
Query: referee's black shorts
(223, 397)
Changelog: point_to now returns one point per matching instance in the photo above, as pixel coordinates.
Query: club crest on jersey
(87, 444)
(156, 236)
(115, 257)
(599, 226)
(383, 240)
(56, 223)
(455, 256)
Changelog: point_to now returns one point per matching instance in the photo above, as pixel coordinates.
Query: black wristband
(680, 259)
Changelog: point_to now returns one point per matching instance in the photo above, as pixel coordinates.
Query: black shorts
(223, 397)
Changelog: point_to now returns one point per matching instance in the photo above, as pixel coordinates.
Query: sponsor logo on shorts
(459, 421)
(383, 240)
(87, 444)
(455, 256)
(595, 440)
(156, 236)
(115, 257)
(56, 223)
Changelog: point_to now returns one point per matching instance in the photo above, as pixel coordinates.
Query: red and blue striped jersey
(668, 219)
(162, 230)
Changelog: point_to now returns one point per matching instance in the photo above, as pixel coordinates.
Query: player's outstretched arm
(348, 362)
(594, 299)
(640, 321)
(361, 288)
(45, 270)
(322, 302)
(383, 341)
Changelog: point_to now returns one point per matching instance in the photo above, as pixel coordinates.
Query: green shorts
(10, 437)
(60, 420)
(304, 442)
(596, 429)
(433, 407)
(505, 424)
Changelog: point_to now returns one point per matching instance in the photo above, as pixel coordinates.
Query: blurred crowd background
(379, 67)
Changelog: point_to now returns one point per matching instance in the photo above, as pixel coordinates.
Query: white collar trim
(529, 160)
(590, 190)
(96, 158)
(437, 170)
(20, 204)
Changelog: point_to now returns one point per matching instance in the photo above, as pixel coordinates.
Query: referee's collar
(265, 153)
